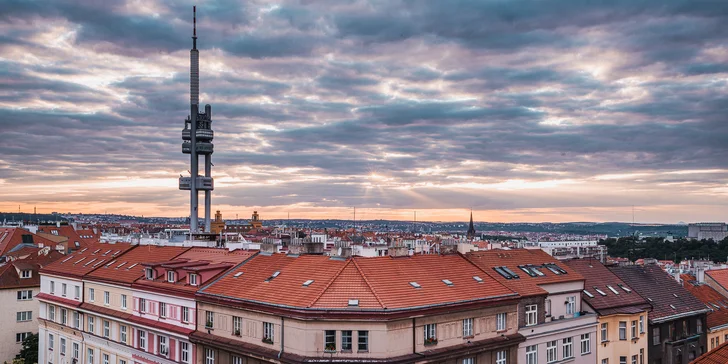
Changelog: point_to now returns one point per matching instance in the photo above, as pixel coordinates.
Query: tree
(29, 352)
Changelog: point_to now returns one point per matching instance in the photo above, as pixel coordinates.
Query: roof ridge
(315, 299)
(368, 284)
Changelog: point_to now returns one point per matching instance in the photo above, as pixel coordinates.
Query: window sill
(346, 351)
(362, 351)
(330, 351)
(501, 331)
(468, 337)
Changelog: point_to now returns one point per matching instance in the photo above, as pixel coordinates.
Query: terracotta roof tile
(132, 268)
(525, 285)
(81, 262)
(711, 298)
(718, 355)
(12, 237)
(720, 276)
(600, 277)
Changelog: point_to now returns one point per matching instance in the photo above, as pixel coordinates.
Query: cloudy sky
(523, 110)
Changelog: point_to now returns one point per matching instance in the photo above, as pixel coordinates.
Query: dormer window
(193, 279)
(149, 273)
(170, 276)
(26, 273)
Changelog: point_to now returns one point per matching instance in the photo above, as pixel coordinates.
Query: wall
(8, 320)
(115, 293)
(614, 348)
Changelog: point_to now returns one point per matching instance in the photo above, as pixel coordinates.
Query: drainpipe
(414, 341)
(282, 336)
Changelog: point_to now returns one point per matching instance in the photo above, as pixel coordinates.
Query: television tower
(197, 140)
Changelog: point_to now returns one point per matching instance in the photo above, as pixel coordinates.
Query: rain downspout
(282, 336)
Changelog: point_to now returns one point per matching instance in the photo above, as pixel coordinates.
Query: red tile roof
(381, 283)
(82, 262)
(525, 285)
(132, 268)
(667, 297)
(600, 277)
(83, 237)
(720, 276)
(718, 355)
(711, 298)
(12, 237)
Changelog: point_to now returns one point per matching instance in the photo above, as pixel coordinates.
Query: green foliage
(658, 248)
(29, 352)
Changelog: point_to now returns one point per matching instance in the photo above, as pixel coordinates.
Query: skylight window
(98, 263)
(555, 269)
(612, 289)
(120, 265)
(110, 263)
(509, 271)
(96, 251)
(625, 288)
(588, 294)
(307, 283)
(478, 279)
(649, 299)
(675, 295)
(353, 302)
(89, 262)
(238, 274)
(275, 274)
(83, 250)
(415, 284)
(107, 252)
(506, 273)
(448, 282)
(673, 307)
(527, 270)
(132, 266)
(600, 291)
(67, 259)
(80, 260)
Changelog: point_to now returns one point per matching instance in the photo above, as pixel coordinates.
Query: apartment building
(677, 322)
(550, 312)
(19, 284)
(717, 304)
(622, 314)
(313, 308)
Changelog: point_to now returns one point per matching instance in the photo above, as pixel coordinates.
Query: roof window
(506, 273)
(673, 307)
(149, 273)
(612, 289)
(415, 284)
(275, 274)
(625, 288)
(353, 302)
(588, 294)
(96, 251)
(448, 282)
(599, 291)
(555, 269)
(675, 295)
(132, 266)
(89, 262)
(110, 263)
(120, 265)
(478, 279)
(238, 274)
(308, 283)
(79, 261)
(67, 259)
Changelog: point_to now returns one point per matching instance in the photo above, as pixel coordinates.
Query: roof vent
(415, 284)
(448, 282)
(353, 302)
(238, 274)
(307, 283)
(478, 279)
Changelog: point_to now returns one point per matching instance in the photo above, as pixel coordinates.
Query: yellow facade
(717, 337)
(612, 347)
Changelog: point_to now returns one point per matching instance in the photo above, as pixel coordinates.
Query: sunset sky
(522, 110)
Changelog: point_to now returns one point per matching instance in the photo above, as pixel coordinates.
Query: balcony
(566, 324)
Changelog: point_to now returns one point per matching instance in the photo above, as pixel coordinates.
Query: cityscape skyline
(611, 114)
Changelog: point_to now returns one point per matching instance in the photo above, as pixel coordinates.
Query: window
(122, 334)
(50, 342)
(77, 292)
(25, 295)
(551, 352)
(467, 327)
(237, 324)
(699, 326)
(91, 295)
(170, 276)
(91, 324)
(363, 339)
(622, 330)
(107, 329)
(532, 354)
(163, 348)
(500, 321)
(622, 360)
(64, 316)
(567, 347)
(162, 309)
(64, 289)
(107, 298)
(53, 287)
(531, 315)
(20, 337)
(500, 357)
(105, 358)
(193, 279)
(329, 340)
(237, 360)
(656, 336)
(90, 356)
(570, 305)
(468, 361)
(430, 333)
(184, 351)
(209, 356)
(76, 319)
(122, 361)
(142, 339)
(123, 302)
(52, 313)
(142, 305)
(642, 324)
(24, 316)
(63, 346)
(210, 319)
(604, 332)
(634, 329)
(547, 309)
(268, 332)
(345, 340)
(149, 272)
(585, 344)
(25, 273)
(634, 359)
(76, 350)
(185, 314)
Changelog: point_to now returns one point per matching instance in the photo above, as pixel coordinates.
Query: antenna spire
(194, 27)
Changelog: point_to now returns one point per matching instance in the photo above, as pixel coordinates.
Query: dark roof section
(668, 298)
(597, 292)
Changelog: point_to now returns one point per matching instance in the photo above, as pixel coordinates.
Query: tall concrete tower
(197, 140)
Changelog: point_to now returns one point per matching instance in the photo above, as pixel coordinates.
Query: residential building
(12, 237)
(19, 284)
(718, 279)
(717, 356)
(314, 308)
(717, 304)
(622, 313)
(677, 322)
(550, 311)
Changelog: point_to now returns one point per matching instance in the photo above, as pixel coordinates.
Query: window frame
(329, 340)
(585, 344)
(362, 334)
(622, 330)
(501, 357)
(501, 321)
(468, 327)
(142, 339)
(25, 295)
(532, 354)
(91, 294)
(430, 332)
(552, 353)
(209, 356)
(184, 351)
(107, 298)
(570, 305)
(347, 340)
(269, 331)
(123, 302)
(531, 315)
(123, 334)
(567, 347)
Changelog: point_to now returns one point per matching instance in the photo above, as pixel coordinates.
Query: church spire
(471, 228)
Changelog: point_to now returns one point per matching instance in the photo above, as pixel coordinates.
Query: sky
(521, 110)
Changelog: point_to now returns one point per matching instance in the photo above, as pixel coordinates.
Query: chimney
(268, 248)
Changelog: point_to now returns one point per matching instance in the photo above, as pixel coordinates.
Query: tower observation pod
(197, 141)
